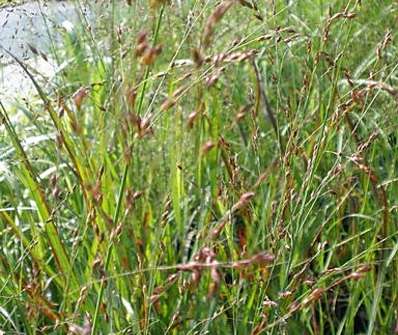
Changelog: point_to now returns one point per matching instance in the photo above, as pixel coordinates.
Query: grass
(4, 3)
(206, 167)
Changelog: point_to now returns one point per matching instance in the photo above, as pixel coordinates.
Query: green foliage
(232, 170)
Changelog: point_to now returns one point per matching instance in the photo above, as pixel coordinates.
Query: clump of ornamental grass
(205, 167)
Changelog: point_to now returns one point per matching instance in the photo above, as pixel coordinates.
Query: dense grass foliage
(206, 167)
(4, 3)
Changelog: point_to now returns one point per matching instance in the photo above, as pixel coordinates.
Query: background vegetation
(7, 2)
(206, 167)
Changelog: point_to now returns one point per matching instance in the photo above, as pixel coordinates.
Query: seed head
(244, 200)
(207, 147)
(79, 96)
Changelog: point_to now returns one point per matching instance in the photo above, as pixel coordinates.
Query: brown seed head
(263, 258)
(244, 200)
(191, 119)
(214, 18)
(356, 275)
(285, 294)
(149, 56)
(142, 36)
(141, 48)
(269, 303)
(131, 96)
(167, 104)
(314, 296)
(207, 147)
(79, 96)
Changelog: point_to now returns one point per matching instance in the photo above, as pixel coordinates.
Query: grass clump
(206, 167)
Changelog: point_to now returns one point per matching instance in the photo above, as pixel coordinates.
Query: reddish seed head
(212, 79)
(247, 196)
(79, 96)
(309, 281)
(172, 278)
(154, 298)
(214, 18)
(244, 200)
(167, 104)
(191, 119)
(144, 127)
(148, 57)
(263, 258)
(364, 268)
(207, 147)
(269, 303)
(131, 96)
(240, 116)
(356, 275)
(314, 296)
(137, 194)
(285, 294)
(141, 37)
(133, 119)
(141, 48)
(208, 254)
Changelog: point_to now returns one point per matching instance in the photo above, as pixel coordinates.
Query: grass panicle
(203, 167)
